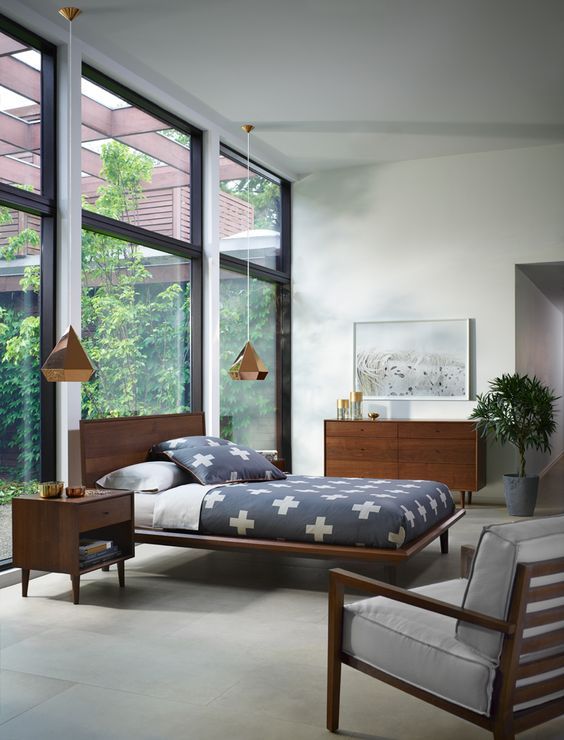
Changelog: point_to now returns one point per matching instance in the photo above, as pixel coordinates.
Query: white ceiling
(333, 83)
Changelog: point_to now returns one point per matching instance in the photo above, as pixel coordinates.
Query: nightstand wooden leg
(25, 581)
(463, 499)
(75, 588)
(444, 542)
(121, 573)
(469, 498)
(106, 568)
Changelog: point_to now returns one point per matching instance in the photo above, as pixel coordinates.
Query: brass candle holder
(342, 409)
(373, 415)
(50, 489)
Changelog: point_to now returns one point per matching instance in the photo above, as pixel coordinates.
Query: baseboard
(11, 576)
(545, 470)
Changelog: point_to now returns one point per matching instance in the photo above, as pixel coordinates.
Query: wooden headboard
(108, 444)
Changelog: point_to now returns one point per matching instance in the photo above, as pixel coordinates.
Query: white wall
(436, 238)
(540, 352)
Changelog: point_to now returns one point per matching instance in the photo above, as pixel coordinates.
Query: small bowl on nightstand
(373, 415)
(75, 491)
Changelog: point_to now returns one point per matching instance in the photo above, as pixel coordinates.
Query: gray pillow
(224, 464)
(149, 477)
(156, 451)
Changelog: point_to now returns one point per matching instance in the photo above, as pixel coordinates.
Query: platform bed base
(384, 556)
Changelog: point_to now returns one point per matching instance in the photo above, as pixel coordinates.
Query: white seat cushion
(419, 646)
(500, 548)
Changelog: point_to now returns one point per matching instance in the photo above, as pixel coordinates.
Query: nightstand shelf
(47, 533)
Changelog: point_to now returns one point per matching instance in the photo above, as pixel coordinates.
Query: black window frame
(42, 204)
(138, 235)
(282, 278)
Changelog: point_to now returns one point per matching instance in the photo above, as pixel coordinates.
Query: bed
(109, 444)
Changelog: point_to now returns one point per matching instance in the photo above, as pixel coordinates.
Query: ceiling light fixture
(248, 365)
(68, 362)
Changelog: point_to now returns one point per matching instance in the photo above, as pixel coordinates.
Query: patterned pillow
(224, 464)
(156, 451)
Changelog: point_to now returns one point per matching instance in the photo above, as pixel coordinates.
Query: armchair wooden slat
(545, 593)
(541, 665)
(538, 689)
(544, 641)
(546, 616)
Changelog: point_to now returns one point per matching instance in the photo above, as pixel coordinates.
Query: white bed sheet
(179, 507)
(144, 505)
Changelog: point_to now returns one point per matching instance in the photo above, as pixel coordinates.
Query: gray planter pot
(521, 494)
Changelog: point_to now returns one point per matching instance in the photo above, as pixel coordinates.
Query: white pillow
(149, 477)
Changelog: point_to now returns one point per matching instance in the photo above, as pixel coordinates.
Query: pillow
(156, 451)
(149, 477)
(224, 464)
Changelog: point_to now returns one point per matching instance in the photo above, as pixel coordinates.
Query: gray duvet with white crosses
(360, 512)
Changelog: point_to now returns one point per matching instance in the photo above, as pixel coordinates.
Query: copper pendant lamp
(68, 362)
(248, 364)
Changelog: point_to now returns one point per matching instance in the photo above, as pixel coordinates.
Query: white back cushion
(500, 548)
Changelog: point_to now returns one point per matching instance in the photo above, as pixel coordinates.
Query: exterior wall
(421, 239)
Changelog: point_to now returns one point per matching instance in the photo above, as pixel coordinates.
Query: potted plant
(518, 410)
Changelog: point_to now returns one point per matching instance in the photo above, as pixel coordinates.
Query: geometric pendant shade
(248, 365)
(68, 362)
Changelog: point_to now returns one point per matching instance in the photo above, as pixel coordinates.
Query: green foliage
(518, 410)
(13, 489)
(264, 196)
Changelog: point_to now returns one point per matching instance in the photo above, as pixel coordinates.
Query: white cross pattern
(340, 483)
(284, 504)
(395, 490)
(234, 476)
(408, 485)
(319, 529)
(242, 522)
(332, 496)
(381, 495)
(370, 485)
(352, 490)
(258, 491)
(422, 510)
(409, 515)
(365, 509)
(212, 443)
(213, 498)
(282, 485)
(443, 496)
(268, 474)
(200, 459)
(323, 486)
(433, 504)
(306, 490)
(398, 538)
(243, 454)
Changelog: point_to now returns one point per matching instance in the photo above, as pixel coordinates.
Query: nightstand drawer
(101, 513)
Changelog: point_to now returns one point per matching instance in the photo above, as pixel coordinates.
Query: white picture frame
(422, 360)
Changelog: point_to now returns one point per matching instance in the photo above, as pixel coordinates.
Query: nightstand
(47, 531)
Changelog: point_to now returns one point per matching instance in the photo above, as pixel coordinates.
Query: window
(260, 214)
(135, 328)
(141, 254)
(151, 159)
(255, 413)
(248, 409)
(27, 216)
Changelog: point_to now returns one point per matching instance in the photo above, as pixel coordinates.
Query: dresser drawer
(360, 469)
(382, 449)
(456, 477)
(437, 430)
(361, 428)
(97, 514)
(460, 451)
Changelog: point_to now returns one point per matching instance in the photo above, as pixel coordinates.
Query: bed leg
(336, 600)
(444, 542)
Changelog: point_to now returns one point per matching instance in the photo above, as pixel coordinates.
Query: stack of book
(96, 551)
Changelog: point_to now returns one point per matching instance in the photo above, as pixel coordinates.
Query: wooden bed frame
(108, 444)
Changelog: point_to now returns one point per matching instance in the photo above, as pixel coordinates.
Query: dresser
(451, 452)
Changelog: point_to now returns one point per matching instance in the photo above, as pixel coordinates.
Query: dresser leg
(75, 588)
(106, 568)
(25, 581)
(463, 499)
(121, 573)
(469, 498)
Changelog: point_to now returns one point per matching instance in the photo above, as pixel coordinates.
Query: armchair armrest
(339, 579)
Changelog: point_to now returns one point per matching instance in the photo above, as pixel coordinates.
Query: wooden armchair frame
(503, 721)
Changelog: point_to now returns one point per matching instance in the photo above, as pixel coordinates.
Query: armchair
(489, 648)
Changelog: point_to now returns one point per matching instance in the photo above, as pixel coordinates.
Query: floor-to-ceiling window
(254, 224)
(141, 254)
(27, 216)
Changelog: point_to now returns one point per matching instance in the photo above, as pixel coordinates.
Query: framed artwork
(413, 360)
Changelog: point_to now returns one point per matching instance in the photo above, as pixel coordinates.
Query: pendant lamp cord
(248, 237)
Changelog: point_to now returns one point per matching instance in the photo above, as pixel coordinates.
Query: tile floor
(206, 646)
